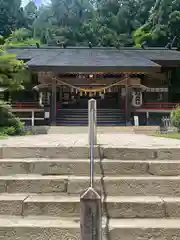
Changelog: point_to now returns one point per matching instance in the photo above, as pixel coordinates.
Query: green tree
(175, 118)
(13, 74)
(11, 16)
(70, 16)
(161, 24)
(30, 13)
(18, 35)
(102, 22)
(21, 37)
(174, 23)
(144, 9)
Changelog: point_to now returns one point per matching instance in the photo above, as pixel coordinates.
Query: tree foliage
(175, 118)
(9, 124)
(13, 74)
(102, 22)
(161, 24)
(11, 16)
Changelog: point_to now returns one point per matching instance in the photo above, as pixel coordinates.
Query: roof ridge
(86, 47)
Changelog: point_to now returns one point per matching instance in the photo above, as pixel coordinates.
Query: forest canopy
(101, 22)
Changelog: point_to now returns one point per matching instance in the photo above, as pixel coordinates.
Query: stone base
(58, 228)
(78, 152)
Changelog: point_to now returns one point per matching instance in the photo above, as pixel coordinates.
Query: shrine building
(126, 82)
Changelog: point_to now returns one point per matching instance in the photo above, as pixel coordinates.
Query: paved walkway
(123, 140)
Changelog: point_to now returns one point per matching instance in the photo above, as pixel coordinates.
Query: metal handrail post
(92, 118)
(90, 200)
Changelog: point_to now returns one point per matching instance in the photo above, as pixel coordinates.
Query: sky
(24, 2)
(38, 2)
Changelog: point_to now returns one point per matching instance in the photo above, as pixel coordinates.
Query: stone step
(85, 118)
(72, 167)
(115, 186)
(71, 152)
(115, 207)
(80, 167)
(85, 114)
(104, 130)
(86, 110)
(81, 151)
(69, 206)
(84, 124)
(46, 228)
(129, 185)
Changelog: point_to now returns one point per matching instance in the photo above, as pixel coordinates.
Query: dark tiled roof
(65, 60)
(96, 59)
(159, 54)
(27, 53)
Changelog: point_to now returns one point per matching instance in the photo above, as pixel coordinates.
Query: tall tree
(145, 6)
(12, 71)
(30, 12)
(161, 24)
(11, 16)
(102, 22)
(70, 16)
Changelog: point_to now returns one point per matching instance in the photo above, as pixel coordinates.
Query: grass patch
(168, 135)
(3, 137)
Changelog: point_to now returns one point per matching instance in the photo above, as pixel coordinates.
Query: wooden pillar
(126, 103)
(147, 118)
(60, 94)
(128, 106)
(53, 104)
(119, 96)
(32, 119)
(169, 78)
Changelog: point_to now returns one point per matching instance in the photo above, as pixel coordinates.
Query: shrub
(10, 131)
(175, 118)
(9, 124)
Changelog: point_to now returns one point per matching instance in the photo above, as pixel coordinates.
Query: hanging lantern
(81, 94)
(109, 90)
(41, 99)
(72, 90)
(137, 99)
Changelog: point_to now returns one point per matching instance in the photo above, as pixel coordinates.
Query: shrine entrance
(80, 99)
(108, 95)
(123, 94)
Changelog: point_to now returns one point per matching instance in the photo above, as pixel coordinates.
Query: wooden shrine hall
(125, 82)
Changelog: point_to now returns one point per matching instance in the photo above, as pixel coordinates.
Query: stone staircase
(79, 117)
(40, 187)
